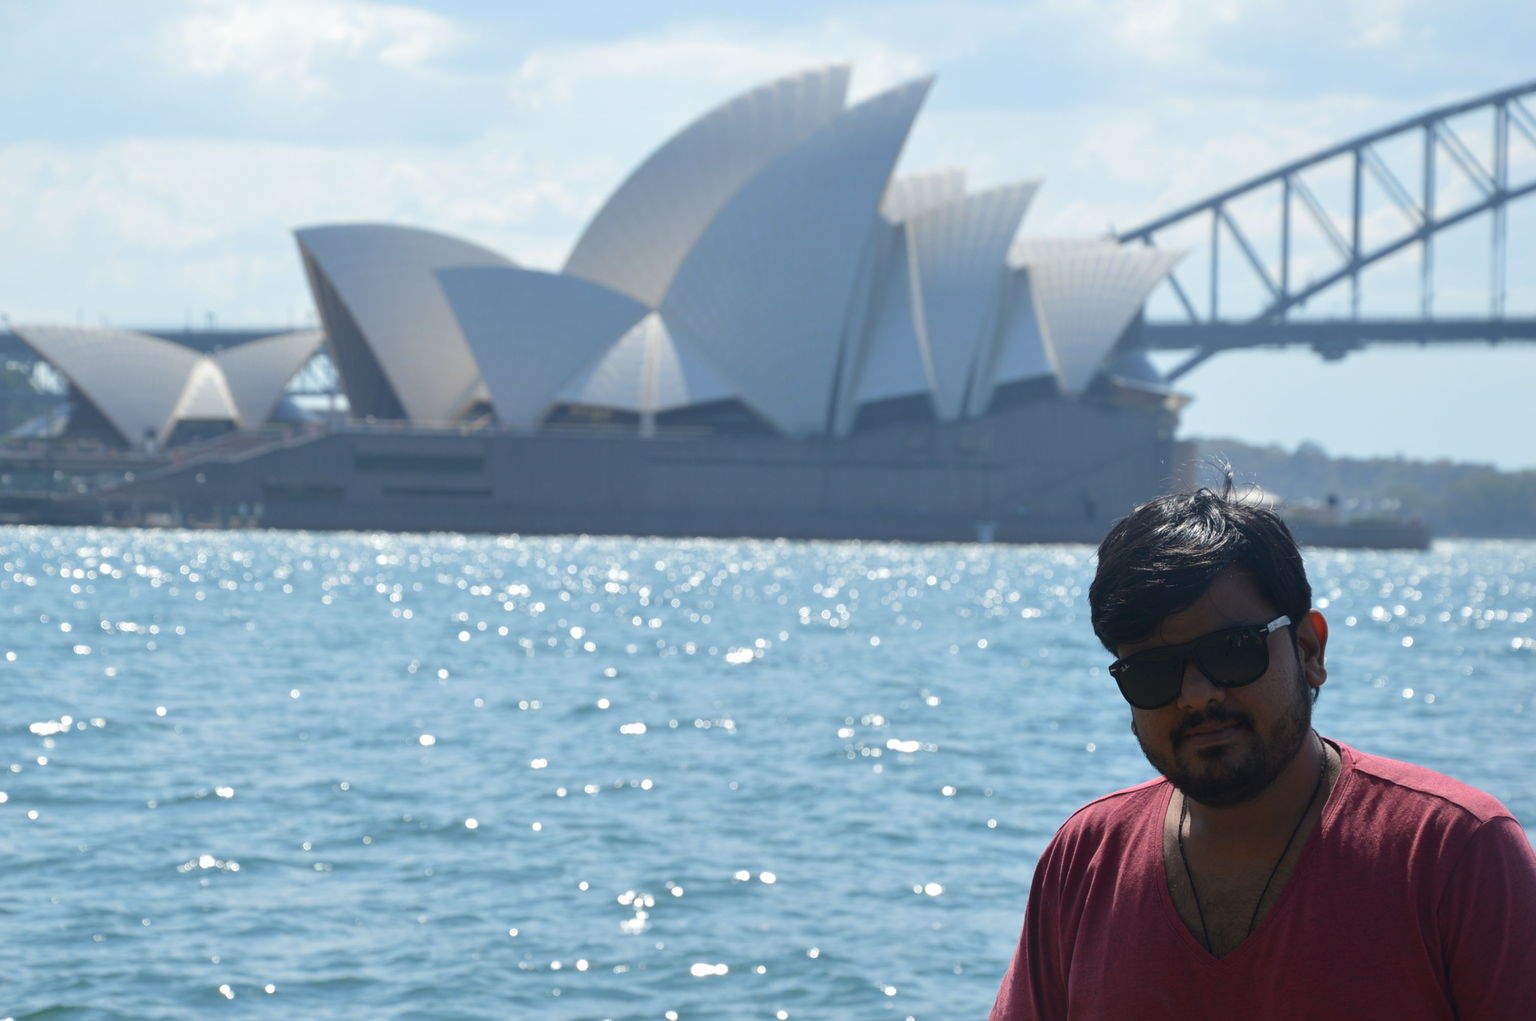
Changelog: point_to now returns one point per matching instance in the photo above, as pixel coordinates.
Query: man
(1270, 873)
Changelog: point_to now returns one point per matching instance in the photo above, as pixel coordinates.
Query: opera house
(763, 331)
(144, 391)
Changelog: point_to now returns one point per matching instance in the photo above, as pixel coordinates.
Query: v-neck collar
(1170, 910)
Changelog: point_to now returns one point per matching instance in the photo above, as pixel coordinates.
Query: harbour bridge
(1320, 230)
(1288, 258)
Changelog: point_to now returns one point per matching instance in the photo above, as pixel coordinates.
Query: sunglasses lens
(1152, 679)
(1233, 658)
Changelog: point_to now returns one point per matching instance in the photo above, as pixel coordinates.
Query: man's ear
(1311, 644)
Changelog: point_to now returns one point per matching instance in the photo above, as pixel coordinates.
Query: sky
(155, 156)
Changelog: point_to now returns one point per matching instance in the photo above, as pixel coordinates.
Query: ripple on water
(459, 777)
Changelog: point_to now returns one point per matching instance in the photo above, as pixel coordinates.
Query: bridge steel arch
(1493, 189)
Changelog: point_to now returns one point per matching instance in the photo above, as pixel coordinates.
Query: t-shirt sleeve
(1487, 922)
(1034, 989)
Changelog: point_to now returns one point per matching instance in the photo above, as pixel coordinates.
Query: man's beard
(1215, 781)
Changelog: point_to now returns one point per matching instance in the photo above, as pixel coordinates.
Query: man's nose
(1198, 690)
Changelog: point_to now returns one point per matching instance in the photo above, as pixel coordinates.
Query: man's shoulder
(1108, 833)
(1120, 808)
(1399, 780)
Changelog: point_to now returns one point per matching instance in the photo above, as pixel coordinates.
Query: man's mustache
(1215, 714)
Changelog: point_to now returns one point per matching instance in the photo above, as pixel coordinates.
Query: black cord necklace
(1205, 933)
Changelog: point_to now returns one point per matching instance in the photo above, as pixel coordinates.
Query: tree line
(1454, 498)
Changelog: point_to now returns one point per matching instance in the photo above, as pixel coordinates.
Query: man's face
(1221, 746)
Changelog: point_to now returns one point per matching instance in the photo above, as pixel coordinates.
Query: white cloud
(1113, 150)
(1377, 24)
(136, 231)
(713, 59)
(1168, 30)
(283, 44)
(204, 223)
(1163, 31)
(1109, 163)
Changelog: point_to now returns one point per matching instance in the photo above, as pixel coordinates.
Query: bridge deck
(1335, 337)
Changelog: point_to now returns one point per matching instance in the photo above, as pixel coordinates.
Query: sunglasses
(1230, 659)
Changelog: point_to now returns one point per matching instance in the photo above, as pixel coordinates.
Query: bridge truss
(1311, 231)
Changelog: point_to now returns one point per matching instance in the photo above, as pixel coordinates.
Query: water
(349, 776)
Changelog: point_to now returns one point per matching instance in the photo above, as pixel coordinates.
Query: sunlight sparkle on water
(761, 755)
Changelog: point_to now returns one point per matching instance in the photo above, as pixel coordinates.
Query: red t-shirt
(1414, 898)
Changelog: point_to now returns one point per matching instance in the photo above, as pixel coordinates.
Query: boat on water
(1339, 524)
(1365, 533)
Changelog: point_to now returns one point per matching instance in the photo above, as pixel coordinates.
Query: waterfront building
(764, 331)
(763, 270)
(145, 392)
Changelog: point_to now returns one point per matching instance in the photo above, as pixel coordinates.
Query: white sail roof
(767, 290)
(640, 237)
(958, 250)
(1086, 294)
(206, 396)
(532, 331)
(764, 253)
(141, 384)
(648, 371)
(894, 357)
(910, 194)
(257, 372)
(1020, 351)
(399, 319)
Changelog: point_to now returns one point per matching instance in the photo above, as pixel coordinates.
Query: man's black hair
(1161, 557)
